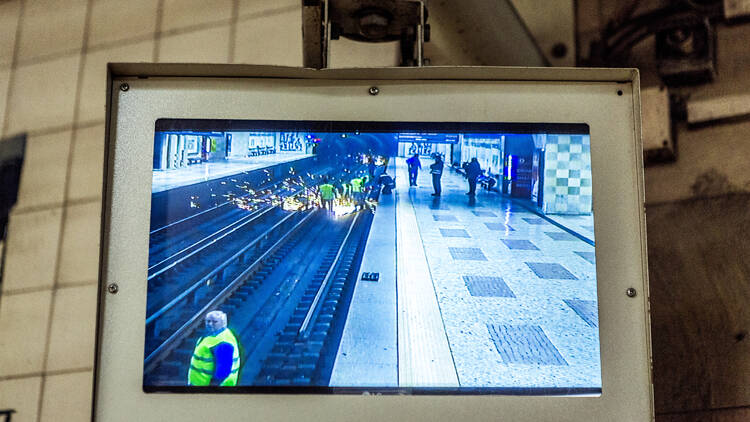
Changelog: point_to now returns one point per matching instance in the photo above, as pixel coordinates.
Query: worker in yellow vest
(327, 193)
(357, 187)
(216, 358)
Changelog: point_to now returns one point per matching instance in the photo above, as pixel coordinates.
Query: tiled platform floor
(516, 293)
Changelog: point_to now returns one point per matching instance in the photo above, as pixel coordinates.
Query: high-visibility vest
(202, 363)
(356, 185)
(326, 191)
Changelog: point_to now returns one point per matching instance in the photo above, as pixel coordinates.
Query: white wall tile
(273, 39)
(44, 170)
(22, 395)
(267, 7)
(67, 397)
(4, 79)
(117, 20)
(43, 95)
(205, 46)
(79, 258)
(51, 26)
(183, 13)
(87, 165)
(91, 106)
(73, 317)
(31, 251)
(23, 332)
(9, 12)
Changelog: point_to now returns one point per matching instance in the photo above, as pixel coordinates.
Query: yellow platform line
(424, 356)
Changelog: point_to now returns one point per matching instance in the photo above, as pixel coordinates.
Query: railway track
(287, 304)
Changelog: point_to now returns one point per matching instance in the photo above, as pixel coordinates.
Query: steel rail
(174, 223)
(171, 342)
(273, 186)
(315, 307)
(234, 227)
(215, 271)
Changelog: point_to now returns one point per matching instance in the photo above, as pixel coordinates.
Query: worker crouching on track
(216, 358)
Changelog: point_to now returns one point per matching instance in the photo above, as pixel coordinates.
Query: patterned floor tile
(588, 256)
(525, 344)
(550, 271)
(538, 221)
(586, 309)
(485, 286)
(499, 227)
(467, 254)
(454, 233)
(484, 213)
(442, 217)
(523, 245)
(561, 236)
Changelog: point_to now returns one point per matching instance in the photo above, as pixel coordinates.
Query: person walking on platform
(371, 166)
(436, 169)
(414, 166)
(216, 358)
(473, 170)
(327, 193)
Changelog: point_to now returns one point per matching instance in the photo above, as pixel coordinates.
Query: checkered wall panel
(567, 175)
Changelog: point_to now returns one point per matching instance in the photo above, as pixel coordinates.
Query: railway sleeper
(170, 369)
(301, 380)
(325, 317)
(306, 368)
(287, 337)
(318, 337)
(315, 345)
(236, 300)
(296, 320)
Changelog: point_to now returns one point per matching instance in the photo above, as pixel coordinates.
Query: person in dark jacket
(371, 167)
(414, 166)
(436, 169)
(472, 173)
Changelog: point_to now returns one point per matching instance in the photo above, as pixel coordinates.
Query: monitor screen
(352, 257)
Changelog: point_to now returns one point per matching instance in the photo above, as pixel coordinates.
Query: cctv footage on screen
(354, 257)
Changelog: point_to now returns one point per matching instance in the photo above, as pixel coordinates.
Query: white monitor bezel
(608, 101)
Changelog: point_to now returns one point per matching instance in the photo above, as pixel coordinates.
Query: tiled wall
(53, 56)
(52, 80)
(567, 175)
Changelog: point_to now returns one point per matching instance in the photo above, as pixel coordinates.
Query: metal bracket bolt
(374, 90)
(113, 288)
(631, 292)
(124, 87)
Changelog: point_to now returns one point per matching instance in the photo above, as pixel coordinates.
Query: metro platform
(164, 180)
(472, 292)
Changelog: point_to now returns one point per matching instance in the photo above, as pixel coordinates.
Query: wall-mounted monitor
(380, 244)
